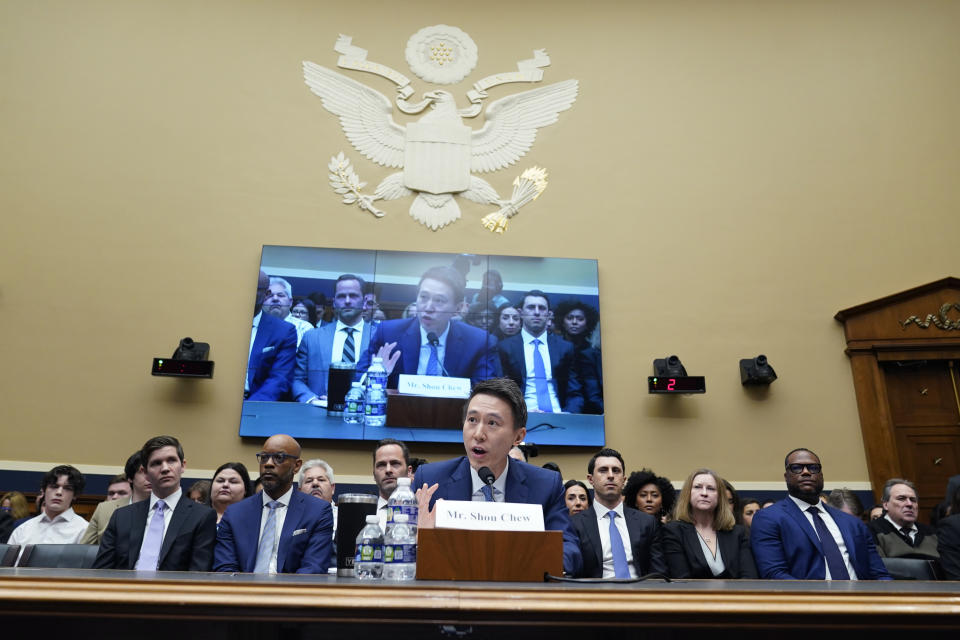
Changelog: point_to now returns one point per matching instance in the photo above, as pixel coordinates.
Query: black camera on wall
(756, 371)
(189, 361)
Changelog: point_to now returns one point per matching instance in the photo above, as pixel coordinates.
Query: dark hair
(156, 443)
(242, 471)
(133, 465)
(737, 512)
(746, 501)
(565, 307)
(203, 486)
(450, 277)
(552, 466)
(605, 453)
(787, 457)
(74, 478)
(120, 477)
(571, 483)
(311, 308)
(640, 479)
(535, 293)
(416, 462)
(350, 276)
(400, 443)
(508, 391)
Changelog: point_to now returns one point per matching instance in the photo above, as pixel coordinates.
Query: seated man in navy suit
(341, 341)
(800, 538)
(279, 530)
(638, 551)
(430, 343)
(168, 531)
(273, 350)
(542, 364)
(494, 421)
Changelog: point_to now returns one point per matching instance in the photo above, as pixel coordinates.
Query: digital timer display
(678, 384)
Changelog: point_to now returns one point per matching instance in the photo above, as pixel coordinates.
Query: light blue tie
(540, 379)
(265, 550)
(487, 493)
(620, 567)
(150, 549)
(433, 364)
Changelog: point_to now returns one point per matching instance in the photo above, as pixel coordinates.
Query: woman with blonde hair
(15, 503)
(703, 540)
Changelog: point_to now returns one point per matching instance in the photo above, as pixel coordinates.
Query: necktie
(620, 567)
(433, 364)
(838, 569)
(267, 539)
(487, 493)
(906, 535)
(540, 379)
(349, 350)
(150, 549)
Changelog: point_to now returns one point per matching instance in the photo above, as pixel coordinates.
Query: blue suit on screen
(272, 357)
(313, 360)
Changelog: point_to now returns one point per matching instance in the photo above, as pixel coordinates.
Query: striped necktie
(349, 349)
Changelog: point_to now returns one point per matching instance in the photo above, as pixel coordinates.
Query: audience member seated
(134, 536)
(139, 490)
(317, 479)
(6, 527)
(650, 493)
(491, 290)
(733, 499)
(768, 503)
(948, 539)
(199, 491)
(616, 541)
(306, 310)
(482, 316)
(431, 343)
(370, 304)
(15, 503)
(543, 365)
(748, 508)
(118, 488)
(273, 351)
(279, 530)
(876, 511)
(57, 522)
(800, 538)
(847, 501)
(577, 324)
(898, 534)
(415, 464)
(495, 419)
(703, 539)
(576, 496)
(278, 302)
(230, 484)
(391, 460)
(552, 466)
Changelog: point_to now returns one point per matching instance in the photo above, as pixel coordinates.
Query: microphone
(486, 476)
(434, 341)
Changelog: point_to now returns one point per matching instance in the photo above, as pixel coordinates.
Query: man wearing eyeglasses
(278, 530)
(800, 538)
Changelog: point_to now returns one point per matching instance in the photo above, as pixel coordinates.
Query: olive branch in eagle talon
(346, 182)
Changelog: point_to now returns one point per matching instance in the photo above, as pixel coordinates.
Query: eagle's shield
(436, 157)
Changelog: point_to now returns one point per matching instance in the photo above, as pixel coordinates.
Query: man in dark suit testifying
(615, 540)
(168, 532)
(273, 350)
(278, 530)
(542, 364)
(494, 420)
(430, 343)
(800, 538)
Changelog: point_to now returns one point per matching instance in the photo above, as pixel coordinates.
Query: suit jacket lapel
(138, 525)
(846, 533)
(798, 516)
(180, 515)
(410, 348)
(247, 526)
(517, 489)
(593, 535)
(460, 486)
(729, 545)
(453, 348)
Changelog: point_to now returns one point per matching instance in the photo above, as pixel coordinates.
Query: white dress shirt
(302, 326)
(499, 485)
(171, 502)
(382, 512)
(832, 528)
(912, 531)
(340, 338)
(425, 351)
(530, 389)
(279, 517)
(64, 528)
(603, 523)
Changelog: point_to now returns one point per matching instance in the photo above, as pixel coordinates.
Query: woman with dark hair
(576, 496)
(733, 499)
(748, 508)
(650, 493)
(508, 321)
(576, 323)
(305, 309)
(230, 484)
(703, 540)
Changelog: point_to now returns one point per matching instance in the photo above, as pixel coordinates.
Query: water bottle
(400, 550)
(368, 562)
(375, 406)
(404, 501)
(376, 373)
(353, 411)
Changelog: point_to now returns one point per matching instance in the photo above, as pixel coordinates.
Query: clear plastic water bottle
(375, 406)
(400, 550)
(353, 411)
(404, 501)
(368, 561)
(376, 373)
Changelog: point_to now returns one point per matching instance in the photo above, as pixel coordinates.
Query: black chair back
(8, 554)
(911, 568)
(59, 556)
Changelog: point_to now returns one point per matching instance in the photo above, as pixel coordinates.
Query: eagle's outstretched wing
(364, 114)
(512, 124)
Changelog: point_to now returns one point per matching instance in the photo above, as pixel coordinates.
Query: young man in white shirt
(57, 522)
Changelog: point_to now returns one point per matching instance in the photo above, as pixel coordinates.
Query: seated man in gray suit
(344, 340)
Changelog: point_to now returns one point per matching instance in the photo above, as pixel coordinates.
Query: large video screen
(466, 316)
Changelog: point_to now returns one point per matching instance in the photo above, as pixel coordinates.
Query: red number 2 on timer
(671, 384)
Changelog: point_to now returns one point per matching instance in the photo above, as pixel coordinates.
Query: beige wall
(742, 170)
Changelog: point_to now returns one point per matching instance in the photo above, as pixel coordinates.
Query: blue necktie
(540, 379)
(349, 350)
(838, 569)
(150, 549)
(265, 550)
(487, 493)
(620, 567)
(433, 364)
